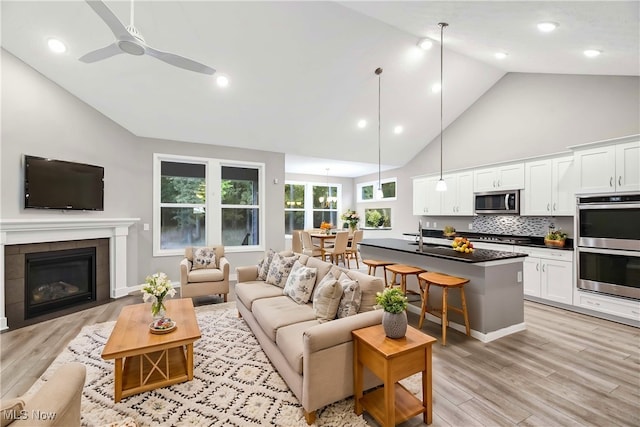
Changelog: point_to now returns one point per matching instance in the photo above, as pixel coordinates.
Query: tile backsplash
(520, 225)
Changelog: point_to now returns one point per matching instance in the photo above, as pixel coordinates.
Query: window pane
(327, 216)
(377, 217)
(294, 196)
(182, 183)
(180, 227)
(325, 197)
(367, 192)
(239, 186)
(389, 189)
(240, 226)
(293, 220)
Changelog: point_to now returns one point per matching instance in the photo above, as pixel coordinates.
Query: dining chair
(296, 241)
(352, 248)
(339, 248)
(308, 248)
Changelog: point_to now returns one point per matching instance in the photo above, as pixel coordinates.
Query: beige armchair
(210, 280)
(61, 395)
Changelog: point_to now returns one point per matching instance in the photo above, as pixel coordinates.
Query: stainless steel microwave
(498, 202)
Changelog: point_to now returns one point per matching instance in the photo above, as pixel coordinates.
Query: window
(190, 211)
(307, 205)
(293, 207)
(367, 191)
(375, 218)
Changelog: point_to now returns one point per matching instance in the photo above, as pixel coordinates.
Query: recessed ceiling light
(56, 46)
(592, 53)
(398, 130)
(425, 44)
(547, 27)
(222, 81)
(436, 88)
(362, 124)
(501, 55)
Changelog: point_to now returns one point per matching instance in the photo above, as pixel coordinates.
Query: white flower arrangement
(157, 287)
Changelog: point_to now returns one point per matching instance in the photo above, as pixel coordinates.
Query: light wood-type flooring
(566, 369)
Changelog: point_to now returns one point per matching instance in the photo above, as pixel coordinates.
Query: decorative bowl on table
(162, 326)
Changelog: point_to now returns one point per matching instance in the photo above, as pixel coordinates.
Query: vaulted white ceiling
(302, 73)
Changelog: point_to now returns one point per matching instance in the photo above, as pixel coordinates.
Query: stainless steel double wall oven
(608, 244)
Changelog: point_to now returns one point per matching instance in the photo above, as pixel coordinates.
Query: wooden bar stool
(374, 263)
(404, 270)
(446, 282)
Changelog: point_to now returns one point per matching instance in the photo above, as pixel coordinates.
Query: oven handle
(583, 206)
(609, 251)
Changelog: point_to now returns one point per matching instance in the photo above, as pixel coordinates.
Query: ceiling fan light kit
(129, 40)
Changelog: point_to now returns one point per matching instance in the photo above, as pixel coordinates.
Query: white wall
(42, 119)
(523, 115)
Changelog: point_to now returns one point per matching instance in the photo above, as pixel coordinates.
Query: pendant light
(441, 185)
(379, 193)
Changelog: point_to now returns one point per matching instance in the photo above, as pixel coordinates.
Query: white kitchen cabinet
(458, 199)
(498, 178)
(426, 200)
(548, 274)
(549, 187)
(608, 168)
(621, 307)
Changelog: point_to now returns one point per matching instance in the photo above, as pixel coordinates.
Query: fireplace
(59, 279)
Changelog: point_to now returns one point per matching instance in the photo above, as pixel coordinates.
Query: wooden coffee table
(145, 361)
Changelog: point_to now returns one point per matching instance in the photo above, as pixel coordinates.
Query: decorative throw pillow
(300, 283)
(263, 265)
(279, 269)
(11, 410)
(351, 296)
(326, 298)
(204, 258)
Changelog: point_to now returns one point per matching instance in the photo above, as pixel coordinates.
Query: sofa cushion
(11, 409)
(274, 313)
(351, 296)
(326, 298)
(291, 343)
(263, 265)
(323, 268)
(369, 286)
(205, 275)
(204, 258)
(280, 268)
(248, 292)
(300, 283)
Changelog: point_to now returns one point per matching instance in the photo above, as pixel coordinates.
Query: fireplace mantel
(37, 230)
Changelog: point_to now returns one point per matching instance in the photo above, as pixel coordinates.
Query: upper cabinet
(549, 187)
(426, 200)
(458, 199)
(498, 178)
(608, 168)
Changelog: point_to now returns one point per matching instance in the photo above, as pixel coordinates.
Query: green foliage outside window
(377, 217)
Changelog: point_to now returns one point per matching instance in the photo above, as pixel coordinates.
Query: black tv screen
(57, 184)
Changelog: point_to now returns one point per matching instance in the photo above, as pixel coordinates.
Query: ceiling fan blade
(109, 18)
(100, 54)
(179, 61)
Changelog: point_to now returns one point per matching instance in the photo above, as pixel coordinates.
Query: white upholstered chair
(308, 248)
(296, 241)
(212, 280)
(352, 248)
(339, 249)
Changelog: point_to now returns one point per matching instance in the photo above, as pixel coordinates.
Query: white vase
(394, 324)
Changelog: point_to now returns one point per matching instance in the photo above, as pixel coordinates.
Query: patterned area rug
(234, 383)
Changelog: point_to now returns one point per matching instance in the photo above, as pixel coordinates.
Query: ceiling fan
(129, 40)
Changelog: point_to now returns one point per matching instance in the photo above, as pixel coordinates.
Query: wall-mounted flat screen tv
(57, 184)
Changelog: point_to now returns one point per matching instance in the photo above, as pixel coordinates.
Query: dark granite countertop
(440, 251)
(530, 241)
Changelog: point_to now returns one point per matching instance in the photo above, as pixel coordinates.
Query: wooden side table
(392, 360)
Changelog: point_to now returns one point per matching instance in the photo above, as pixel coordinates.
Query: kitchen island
(494, 294)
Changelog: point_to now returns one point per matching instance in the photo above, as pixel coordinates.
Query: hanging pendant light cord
(379, 72)
(442, 25)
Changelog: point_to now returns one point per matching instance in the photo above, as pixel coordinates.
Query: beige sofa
(314, 357)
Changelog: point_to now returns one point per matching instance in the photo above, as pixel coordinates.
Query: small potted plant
(394, 318)
(449, 231)
(555, 238)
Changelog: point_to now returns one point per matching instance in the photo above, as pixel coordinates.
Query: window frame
(213, 205)
(375, 198)
(308, 201)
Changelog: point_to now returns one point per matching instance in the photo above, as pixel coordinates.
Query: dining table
(323, 237)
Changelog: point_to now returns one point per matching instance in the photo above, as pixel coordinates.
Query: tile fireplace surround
(34, 230)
